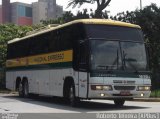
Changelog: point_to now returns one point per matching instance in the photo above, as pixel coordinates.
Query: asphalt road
(56, 108)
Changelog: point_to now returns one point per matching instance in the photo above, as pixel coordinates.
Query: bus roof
(83, 21)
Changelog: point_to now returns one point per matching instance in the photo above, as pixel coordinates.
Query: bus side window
(32, 46)
(20, 49)
(53, 41)
(39, 44)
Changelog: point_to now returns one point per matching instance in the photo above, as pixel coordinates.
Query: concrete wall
(39, 11)
(46, 10)
(6, 15)
(59, 11)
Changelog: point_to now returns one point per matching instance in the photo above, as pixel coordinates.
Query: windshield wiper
(133, 67)
(129, 60)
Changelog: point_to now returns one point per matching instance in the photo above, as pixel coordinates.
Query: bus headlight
(107, 88)
(101, 87)
(144, 88)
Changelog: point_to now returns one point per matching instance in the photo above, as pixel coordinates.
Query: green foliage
(67, 17)
(101, 5)
(9, 32)
(155, 93)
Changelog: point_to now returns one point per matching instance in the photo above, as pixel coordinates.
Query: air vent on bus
(124, 87)
(123, 82)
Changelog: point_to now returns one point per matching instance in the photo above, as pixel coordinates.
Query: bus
(82, 59)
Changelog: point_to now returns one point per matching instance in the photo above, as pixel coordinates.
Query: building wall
(14, 13)
(6, 15)
(51, 9)
(46, 10)
(24, 21)
(21, 13)
(39, 12)
(59, 11)
(26, 14)
(0, 14)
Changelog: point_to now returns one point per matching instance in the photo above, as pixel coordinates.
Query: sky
(116, 6)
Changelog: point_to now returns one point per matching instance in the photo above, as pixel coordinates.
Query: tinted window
(17, 49)
(54, 39)
(105, 55)
(38, 44)
(66, 38)
(134, 56)
(114, 33)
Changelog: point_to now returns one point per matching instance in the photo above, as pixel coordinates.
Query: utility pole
(140, 4)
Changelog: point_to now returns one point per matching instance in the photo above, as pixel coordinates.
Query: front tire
(119, 102)
(73, 100)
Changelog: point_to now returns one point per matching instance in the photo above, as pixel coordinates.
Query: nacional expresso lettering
(49, 58)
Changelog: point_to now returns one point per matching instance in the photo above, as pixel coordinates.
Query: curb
(147, 99)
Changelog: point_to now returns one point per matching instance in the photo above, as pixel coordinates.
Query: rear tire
(26, 89)
(20, 90)
(119, 102)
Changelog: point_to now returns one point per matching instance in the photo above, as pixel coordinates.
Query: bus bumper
(95, 94)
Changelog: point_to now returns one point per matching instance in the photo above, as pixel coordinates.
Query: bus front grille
(124, 87)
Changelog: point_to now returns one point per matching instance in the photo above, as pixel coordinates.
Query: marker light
(142, 94)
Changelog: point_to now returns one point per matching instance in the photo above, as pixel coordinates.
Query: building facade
(59, 11)
(28, 14)
(46, 10)
(39, 10)
(21, 13)
(6, 9)
(1, 14)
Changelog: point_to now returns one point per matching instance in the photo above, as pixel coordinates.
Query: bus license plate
(125, 93)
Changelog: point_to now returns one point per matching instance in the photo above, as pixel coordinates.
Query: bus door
(82, 72)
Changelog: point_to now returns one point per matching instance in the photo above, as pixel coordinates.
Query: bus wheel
(119, 102)
(20, 90)
(72, 98)
(26, 89)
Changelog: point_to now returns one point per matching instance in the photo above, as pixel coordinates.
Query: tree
(66, 17)
(82, 15)
(101, 5)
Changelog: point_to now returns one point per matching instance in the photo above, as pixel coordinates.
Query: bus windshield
(117, 55)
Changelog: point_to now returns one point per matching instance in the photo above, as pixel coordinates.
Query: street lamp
(141, 4)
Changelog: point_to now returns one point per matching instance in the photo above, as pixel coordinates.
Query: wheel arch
(24, 79)
(18, 81)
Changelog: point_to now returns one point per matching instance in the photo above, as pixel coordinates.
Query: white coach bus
(82, 59)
